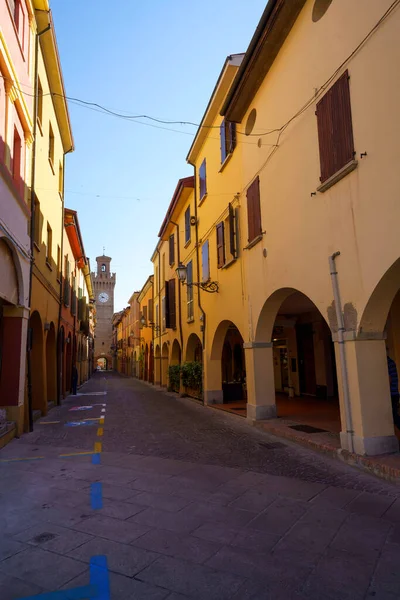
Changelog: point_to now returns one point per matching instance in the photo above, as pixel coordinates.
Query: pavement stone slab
(121, 558)
(279, 516)
(234, 517)
(118, 509)
(217, 532)
(370, 504)
(334, 497)
(112, 529)
(386, 576)
(253, 540)
(166, 502)
(179, 522)
(12, 588)
(41, 567)
(53, 537)
(195, 581)
(255, 499)
(362, 536)
(179, 546)
(9, 547)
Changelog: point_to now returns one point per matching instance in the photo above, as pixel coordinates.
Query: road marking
(73, 408)
(100, 431)
(101, 420)
(75, 454)
(93, 394)
(78, 423)
(21, 459)
(97, 447)
(95, 459)
(103, 410)
(92, 419)
(48, 422)
(96, 495)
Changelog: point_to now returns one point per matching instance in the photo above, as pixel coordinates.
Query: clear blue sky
(157, 57)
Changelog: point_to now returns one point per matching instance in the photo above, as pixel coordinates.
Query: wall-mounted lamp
(153, 326)
(46, 326)
(207, 286)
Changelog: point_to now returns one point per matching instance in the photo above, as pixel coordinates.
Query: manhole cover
(308, 429)
(44, 537)
(272, 445)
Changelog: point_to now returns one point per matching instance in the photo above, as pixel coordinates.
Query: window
(170, 304)
(37, 223)
(103, 268)
(40, 102)
(227, 132)
(163, 312)
(203, 179)
(335, 130)
(16, 161)
(145, 315)
(189, 290)
(205, 262)
(150, 308)
(254, 210)
(171, 249)
(162, 269)
(156, 280)
(58, 263)
(67, 287)
(49, 244)
(220, 245)
(51, 145)
(187, 225)
(157, 317)
(60, 179)
(231, 223)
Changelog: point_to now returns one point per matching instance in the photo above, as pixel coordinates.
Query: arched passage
(192, 373)
(175, 353)
(194, 349)
(174, 374)
(39, 387)
(146, 363)
(157, 365)
(102, 363)
(225, 375)
(51, 364)
(292, 368)
(68, 363)
(164, 364)
(61, 362)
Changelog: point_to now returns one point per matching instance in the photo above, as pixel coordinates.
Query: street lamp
(207, 286)
(153, 326)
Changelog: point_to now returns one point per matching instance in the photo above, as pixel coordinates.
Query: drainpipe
(159, 310)
(32, 228)
(179, 284)
(342, 352)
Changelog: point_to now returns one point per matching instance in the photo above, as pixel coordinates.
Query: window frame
(254, 221)
(203, 180)
(227, 132)
(51, 146)
(171, 246)
(187, 225)
(49, 244)
(205, 249)
(189, 291)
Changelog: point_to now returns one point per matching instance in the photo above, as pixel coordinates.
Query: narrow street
(144, 495)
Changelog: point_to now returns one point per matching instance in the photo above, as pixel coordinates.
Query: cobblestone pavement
(185, 502)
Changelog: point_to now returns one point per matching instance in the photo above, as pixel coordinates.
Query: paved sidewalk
(174, 525)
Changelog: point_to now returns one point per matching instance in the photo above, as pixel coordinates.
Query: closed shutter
(231, 137)
(145, 313)
(220, 245)
(187, 224)
(203, 179)
(172, 304)
(171, 249)
(223, 141)
(232, 231)
(335, 129)
(166, 306)
(254, 209)
(150, 309)
(205, 262)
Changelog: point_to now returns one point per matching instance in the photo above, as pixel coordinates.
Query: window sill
(338, 176)
(51, 166)
(227, 159)
(39, 124)
(187, 243)
(229, 263)
(202, 199)
(254, 242)
(190, 320)
(48, 265)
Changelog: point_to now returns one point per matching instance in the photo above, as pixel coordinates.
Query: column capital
(362, 336)
(19, 312)
(255, 345)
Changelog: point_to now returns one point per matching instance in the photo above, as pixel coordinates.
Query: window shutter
(203, 179)
(205, 263)
(150, 309)
(223, 141)
(335, 130)
(172, 304)
(171, 249)
(220, 245)
(232, 230)
(167, 315)
(145, 313)
(231, 136)
(254, 209)
(187, 224)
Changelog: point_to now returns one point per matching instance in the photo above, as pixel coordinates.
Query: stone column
(369, 392)
(212, 381)
(260, 381)
(12, 383)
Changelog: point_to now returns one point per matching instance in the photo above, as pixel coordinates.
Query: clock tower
(103, 285)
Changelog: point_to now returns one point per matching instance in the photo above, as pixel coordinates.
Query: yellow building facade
(146, 358)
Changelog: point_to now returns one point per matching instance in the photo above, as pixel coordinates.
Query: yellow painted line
(97, 447)
(101, 421)
(48, 422)
(76, 454)
(21, 459)
(93, 419)
(100, 431)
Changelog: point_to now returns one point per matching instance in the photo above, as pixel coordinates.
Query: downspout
(32, 228)
(159, 310)
(179, 283)
(342, 352)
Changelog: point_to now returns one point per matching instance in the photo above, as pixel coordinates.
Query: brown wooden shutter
(166, 304)
(335, 129)
(171, 249)
(220, 245)
(187, 224)
(172, 304)
(203, 179)
(231, 136)
(254, 209)
(223, 141)
(232, 231)
(145, 313)
(150, 309)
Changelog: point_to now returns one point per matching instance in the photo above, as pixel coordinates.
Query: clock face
(103, 297)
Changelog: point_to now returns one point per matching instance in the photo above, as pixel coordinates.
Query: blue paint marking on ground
(99, 588)
(99, 577)
(96, 458)
(96, 495)
(80, 423)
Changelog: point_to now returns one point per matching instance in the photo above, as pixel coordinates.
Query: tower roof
(103, 257)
